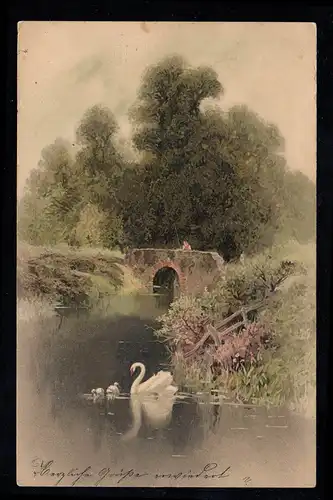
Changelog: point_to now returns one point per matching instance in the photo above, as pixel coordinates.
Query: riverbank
(268, 360)
(82, 276)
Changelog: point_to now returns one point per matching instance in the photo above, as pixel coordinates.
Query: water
(57, 423)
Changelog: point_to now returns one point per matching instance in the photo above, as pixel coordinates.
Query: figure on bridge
(186, 245)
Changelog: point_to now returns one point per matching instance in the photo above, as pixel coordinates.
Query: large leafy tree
(47, 210)
(216, 178)
(207, 173)
(100, 167)
(167, 119)
(73, 199)
(98, 160)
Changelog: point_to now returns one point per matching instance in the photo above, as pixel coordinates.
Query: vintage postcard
(166, 293)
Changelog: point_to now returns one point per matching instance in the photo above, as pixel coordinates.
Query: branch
(242, 311)
(189, 327)
(212, 332)
(231, 328)
(198, 345)
(225, 321)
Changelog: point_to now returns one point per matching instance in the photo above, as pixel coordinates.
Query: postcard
(166, 243)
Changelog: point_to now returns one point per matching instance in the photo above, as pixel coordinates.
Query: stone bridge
(176, 271)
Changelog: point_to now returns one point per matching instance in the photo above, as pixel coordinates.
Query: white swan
(98, 394)
(113, 391)
(159, 384)
(156, 410)
(154, 399)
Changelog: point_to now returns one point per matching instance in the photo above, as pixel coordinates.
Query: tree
(47, 211)
(216, 178)
(101, 167)
(167, 111)
(98, 160)
(74, 200)
(253, 148)
(165, 117)
(297, 218)
(205, 172)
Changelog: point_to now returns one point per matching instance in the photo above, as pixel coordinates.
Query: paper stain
(144, 27)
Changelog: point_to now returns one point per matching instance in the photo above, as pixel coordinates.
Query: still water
(64, 437)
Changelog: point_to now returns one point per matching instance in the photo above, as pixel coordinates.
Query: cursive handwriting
(191, 475)
(45, 468)
(107, 473)
(74, 476)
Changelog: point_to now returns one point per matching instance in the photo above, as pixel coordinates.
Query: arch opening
(166, 285)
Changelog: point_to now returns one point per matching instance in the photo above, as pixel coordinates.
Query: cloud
(87, 69)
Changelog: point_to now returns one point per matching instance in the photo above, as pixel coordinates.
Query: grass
(33, 310)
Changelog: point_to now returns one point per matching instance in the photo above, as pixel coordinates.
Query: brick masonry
(196, 270)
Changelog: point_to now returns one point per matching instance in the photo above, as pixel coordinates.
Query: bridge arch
(194, 269)
(168, 278)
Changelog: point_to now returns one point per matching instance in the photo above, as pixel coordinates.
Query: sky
(66, 67)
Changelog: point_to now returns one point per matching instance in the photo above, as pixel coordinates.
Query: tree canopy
(217, 178)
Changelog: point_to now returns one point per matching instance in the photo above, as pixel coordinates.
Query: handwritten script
(77, 477)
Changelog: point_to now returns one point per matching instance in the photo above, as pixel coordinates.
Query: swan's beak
(131, 370)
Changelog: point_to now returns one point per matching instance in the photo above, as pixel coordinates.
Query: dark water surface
(258, 447)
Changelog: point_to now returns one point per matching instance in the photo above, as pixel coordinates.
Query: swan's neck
(139, 378)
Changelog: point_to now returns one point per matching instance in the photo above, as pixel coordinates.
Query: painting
(166, 243)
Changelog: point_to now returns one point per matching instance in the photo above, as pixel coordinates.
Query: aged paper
(222, 118)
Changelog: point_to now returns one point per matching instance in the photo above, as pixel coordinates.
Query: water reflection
(157, 411)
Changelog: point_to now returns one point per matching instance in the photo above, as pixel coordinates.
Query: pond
(201, 441)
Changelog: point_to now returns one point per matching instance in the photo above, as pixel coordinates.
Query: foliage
(293, 324)
(240, 350)
(96, 228)
(99, 163)
(272, 359)
(71, 199)
(216, 178)
(253, 281)
(298, 219)
(88, 230)
(183, 324)
(52, 191)
(69, 277)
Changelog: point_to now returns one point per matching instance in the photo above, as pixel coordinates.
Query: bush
(68, 276)
(271, 360)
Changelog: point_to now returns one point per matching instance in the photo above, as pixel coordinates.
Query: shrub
(68, 276)
(267, 360)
